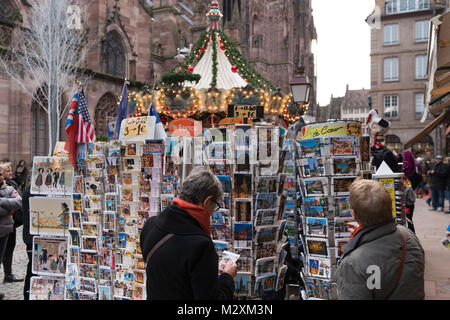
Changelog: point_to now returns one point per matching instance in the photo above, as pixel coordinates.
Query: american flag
(86, 132)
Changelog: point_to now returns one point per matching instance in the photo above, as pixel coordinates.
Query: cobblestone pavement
(14, 291)
(430, 228)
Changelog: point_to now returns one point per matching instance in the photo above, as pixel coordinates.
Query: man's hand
(231, 269)
(351, 226)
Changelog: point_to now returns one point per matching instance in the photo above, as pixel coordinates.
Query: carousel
(211, 76)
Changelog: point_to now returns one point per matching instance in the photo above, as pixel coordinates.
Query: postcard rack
(330, 160)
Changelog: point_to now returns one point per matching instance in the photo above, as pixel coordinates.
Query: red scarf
(198, 213)
(358, 229)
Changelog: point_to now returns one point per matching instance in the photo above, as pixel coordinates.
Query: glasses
(219, 205)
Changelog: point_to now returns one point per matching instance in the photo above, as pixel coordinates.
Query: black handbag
(18, 218)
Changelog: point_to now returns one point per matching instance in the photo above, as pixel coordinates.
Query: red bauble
(202, 48)
(246, 80)
(190, 68)
(207, 38)
(198, 53)
(222, 47)
(234, 68)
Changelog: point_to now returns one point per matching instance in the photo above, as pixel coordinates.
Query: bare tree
(48, 55)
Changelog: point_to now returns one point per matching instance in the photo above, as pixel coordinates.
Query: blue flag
(122, 113)
(160, 133)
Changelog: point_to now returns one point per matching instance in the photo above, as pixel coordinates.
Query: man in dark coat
(438, 182)
(380, 153)
(28, 240)
(185, 267)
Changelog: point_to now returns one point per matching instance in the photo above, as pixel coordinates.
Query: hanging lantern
(234, 68)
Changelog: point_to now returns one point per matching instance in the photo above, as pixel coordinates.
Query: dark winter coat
(9, 201)
(186, 266)
(381, 245)
(386, 155)
(438, 180)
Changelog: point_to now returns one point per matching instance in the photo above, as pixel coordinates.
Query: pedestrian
(17, 215)
(410, 199)
(447, 184)
(380, 153)
(420, 190)
(438, 181)
(382, 260)
(28, 240)
(9, 200)
(182, 262)
(409, 168)
(21, 175)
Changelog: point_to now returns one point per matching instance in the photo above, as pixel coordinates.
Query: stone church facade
(137, 40)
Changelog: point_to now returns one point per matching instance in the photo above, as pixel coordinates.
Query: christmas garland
(214, 59)
(179, 78)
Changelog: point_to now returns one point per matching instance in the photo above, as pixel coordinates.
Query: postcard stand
(330, 160)
(393, 182)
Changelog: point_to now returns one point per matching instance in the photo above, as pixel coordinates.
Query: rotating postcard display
(249, 222)
(330, 161)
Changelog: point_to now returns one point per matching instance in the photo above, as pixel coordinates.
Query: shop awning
(430, 127)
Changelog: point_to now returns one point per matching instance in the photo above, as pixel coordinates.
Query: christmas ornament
(190, 68)
(234, 68)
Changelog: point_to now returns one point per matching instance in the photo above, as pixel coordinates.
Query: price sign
(137, 128)
(245, 111)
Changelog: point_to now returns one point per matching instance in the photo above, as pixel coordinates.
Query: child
(410, 199)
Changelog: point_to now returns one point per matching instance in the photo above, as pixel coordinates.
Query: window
(391, 34)
(115, 54)
(391, 69)
(421, 67)
(420, 105)
(391, 106)
(398, 6)
(422, 30)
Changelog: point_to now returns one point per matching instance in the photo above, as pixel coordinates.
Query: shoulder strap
(156, 247)
(402, 263)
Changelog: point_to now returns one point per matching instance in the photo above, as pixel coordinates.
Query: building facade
(138, 40)
(399, 43)
(355, 106)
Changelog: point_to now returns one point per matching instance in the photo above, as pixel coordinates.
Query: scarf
(198, 213)
(358, 229)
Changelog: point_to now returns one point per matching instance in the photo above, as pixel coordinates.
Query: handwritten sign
(343, 129)
(137, 128)
(245, 111)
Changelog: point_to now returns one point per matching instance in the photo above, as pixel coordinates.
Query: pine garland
(214, 59)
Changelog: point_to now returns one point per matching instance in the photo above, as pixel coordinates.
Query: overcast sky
(343, 46)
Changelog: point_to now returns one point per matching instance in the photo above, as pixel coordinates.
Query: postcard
(266, 201)
(78, 184)
(88, 285)
(166, 200)
(107, 258)
(245, 262)
(74, 254)
(153, 146)
(133, 149)
(313, 167)
(342, 146)
(340, 186)
(316, 187)
(243, 234)
(74, 237)
(51, 175)
(220, 247)
(132, 164)
(96, 148)
(142, 218)
(316, 227)
(44, 288)
(243, 283)
(226, 258)
(281, 277)
(242, 161)
(89, 229)
(71, 282)
(220, 168)
(226, 183)
(105, 276)
(170, 167)
(123, 289)
(139, 292)
(49, 256)
(344, 166)
(242, 186)
(128, 209)
(112, 166)
(340, 227)
(266, 185)
(316, 211)
(265, 283)
(226, 201)
(317, 247)
(129, 194)
(89, 271)
(89, 243)
(265, 249)
(221, 216)
(319, 267)
(77, 202)
(95, 162)
(93, 202)
(339, 244)
(104, 293)
(265, 217)
(89, 258)
(50, 216)
(265, 265)
(311, 147)
(220, 231)
(130, 179)
(93, 215)
(266, 234)
(243, 210)
(319, 288)
(342, 207)
(75, 221)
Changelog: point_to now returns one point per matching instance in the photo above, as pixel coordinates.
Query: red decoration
(190, 68)
(222, 47)
(234, 68)
(202, 48)
(207, 38)
(246, 80)
(198, 53)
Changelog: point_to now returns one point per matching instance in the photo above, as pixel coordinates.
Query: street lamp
(300, 86)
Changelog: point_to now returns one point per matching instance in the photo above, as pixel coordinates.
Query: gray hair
(199, 185)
